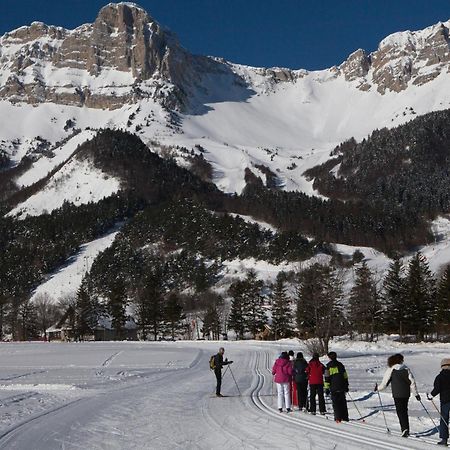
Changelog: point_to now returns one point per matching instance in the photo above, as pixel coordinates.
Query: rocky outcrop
(127, 54)
(402, 58)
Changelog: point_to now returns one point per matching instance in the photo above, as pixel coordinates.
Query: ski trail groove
(329, 429)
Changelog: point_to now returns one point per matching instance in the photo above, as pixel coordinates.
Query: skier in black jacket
(442, 387)
(402, 382)
(336, 383)
(218, 365)
(301, 380)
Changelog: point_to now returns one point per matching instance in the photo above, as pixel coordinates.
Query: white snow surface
(136, 395)
(78, 182)
(67, 279)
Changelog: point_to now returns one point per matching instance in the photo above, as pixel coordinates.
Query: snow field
(136, 395)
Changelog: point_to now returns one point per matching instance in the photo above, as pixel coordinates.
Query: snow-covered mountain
(126, 71)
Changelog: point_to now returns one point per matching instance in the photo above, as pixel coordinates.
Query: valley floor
(132, 395)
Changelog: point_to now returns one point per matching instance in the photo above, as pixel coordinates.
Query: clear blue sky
(311, 34)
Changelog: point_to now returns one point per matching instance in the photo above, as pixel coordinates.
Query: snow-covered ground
(67, 279)
(136, 395)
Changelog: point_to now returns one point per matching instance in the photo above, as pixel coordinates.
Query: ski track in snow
(160, 396)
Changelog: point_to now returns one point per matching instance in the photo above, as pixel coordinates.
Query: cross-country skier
(336, 383)
(315, 371)
(442, 387)
(402, 383)
(301, 380)
(282, 369)
(218, 365)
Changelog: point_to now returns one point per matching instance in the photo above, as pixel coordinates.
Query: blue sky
(310, 34)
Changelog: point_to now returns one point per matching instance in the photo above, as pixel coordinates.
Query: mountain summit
(126, 55)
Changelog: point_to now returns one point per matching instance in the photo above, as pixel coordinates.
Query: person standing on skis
(402, 383)
(442, 388)
(336, 383)
(218, 365)
(315, 372)
(301, 380)
(282, 369)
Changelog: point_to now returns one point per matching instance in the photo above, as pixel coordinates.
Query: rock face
(402, 58)
(126, 56)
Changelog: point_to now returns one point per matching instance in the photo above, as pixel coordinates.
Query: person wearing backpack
(402, 383)
(336, 384)
(442, 388)
(315, 372)
(216, 363)
(301, 380)
(282, 369)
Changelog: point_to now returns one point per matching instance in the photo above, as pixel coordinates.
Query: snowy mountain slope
(53, 87)
(288, 120)
(66, 281)
(78, 182)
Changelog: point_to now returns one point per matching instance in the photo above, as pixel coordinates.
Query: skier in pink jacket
(282, 369)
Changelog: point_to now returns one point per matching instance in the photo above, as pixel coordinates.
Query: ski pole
(356, 406)
(225, 371)
(437, 409)
(429, 415)
(382, 410)
(240, 395)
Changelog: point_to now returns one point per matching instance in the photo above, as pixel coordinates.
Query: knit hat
(445, 362)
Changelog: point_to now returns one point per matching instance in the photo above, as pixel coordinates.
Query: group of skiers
(332, 380)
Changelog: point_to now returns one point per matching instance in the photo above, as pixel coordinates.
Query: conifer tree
(255, 315)
(86, 313)
(27, 320)
(394, 299)
(117, 302)
(211, 322)
(150, 310)
(443, 302)
(281, 310)
(173, 314)
(237, 319)
(364, 306)
(319, 304)
(421, 293)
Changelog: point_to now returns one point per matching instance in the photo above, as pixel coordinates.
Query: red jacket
(315, 371)
(282, 369)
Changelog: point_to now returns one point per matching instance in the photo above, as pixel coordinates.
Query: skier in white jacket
(402, 383)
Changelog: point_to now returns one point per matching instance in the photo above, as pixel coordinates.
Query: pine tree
(281, 310)
(394, 299)
(151, 312)
(173, 314)
(237, 319)
(211, 322)
(117, 302)
(421, 293)
(86, 313)
(364, 306)
(27, 319)
(443, 302)
(255, 315)
(319, 304)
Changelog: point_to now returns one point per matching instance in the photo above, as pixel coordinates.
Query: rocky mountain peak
(402, 58)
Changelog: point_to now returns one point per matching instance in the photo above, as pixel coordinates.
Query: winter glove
(346, 389)
(230, 362)
(327, 392)
(375, 389)
(429, 397)
(418, 397)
